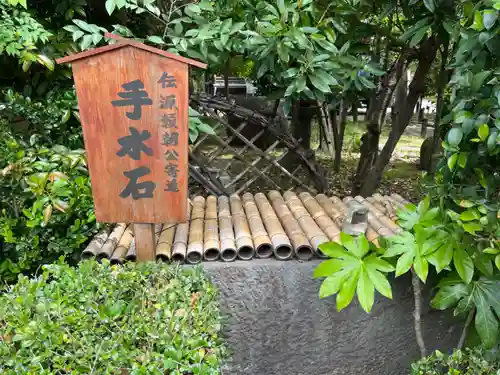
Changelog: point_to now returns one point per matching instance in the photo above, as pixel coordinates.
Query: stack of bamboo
(230, 228)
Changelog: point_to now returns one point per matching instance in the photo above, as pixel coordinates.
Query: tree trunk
(443, 79)
(303, 112)
(354, 111)
(340, 130)
(400, 93)
(427, 54)
(370, 140)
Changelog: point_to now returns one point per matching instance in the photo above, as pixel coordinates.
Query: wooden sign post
(133, 102)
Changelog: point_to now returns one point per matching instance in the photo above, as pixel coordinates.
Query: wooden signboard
(133, 102)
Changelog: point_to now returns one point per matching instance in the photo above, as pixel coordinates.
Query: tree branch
(417, 295)
(461, 342)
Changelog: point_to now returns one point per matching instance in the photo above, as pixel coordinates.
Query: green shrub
(102, 319)
(466, 362)
(46, 209)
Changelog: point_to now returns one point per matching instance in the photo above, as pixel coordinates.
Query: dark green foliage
(102, 319)
(467, 362)
(46, 208)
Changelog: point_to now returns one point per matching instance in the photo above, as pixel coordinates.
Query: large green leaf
(431, 5)
(455, 136)
(319, 83)
(486, 323)
(327, 268)
(489, 18)
(347, 291)
(463, 264)
(449, 295)
(365, 291)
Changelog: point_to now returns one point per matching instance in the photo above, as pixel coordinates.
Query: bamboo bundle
(165, 242)
(112, 241)
(211, 245)
(179, 248)
(263, 244)
(399, 199)
(195, 242)
(378, 205)
(313, 232)
(131, 254)
(227, 241)
(118, 256)
(95, 245)
(388, 227)
(281, 244)
(301, 245)
(395, 203)
(320, 216)
(329, 206)
(244, 242)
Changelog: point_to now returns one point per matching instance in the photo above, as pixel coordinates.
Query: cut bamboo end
(131, 253)
(245, 248)
(244, 242)
(120, 252)
(165, 243)
(95, 245)
(194, 252)
(302, 247)
(110, 244)
(179, 249)
(313, 232)
(282, 247)
(226, 233)
(211, 244)
(319, 240)
(261, 240)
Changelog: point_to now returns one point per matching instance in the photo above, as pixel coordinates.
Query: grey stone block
(276, 324)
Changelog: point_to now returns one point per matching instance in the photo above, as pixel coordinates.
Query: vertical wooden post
(145, 242)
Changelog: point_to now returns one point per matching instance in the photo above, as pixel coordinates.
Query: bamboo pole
(388, 227)
(227, 240)
(313, 232)
(211, 244)
(379, 206)
(301, 244)
(281, 244)
(179, 248)
(195, 242)
(321, 217)
(263, 244)
(118, 256)
(95, 245)
(244, 242)
(131, 253)
(329, 206)
(110, 244)
(399, 199)
(165, 242)
(394, 202)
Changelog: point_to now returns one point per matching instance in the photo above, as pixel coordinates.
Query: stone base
(277, 325)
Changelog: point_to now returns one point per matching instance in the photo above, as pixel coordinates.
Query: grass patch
(101, 319)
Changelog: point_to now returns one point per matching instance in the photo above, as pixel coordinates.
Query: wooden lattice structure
(224, 168)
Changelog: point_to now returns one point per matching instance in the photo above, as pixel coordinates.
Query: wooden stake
(145, 242)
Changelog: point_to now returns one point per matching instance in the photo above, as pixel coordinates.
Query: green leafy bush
(467, 362)
(102, 319)
(46, 208)
(53, 120)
